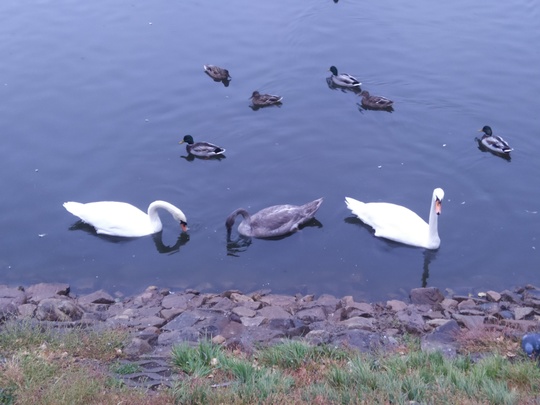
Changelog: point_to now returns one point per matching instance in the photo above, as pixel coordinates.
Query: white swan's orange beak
(184, 227)
(438, 207)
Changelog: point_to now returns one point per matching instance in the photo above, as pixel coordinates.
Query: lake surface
(96, 96)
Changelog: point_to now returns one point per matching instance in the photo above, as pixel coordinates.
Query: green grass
(50, 366)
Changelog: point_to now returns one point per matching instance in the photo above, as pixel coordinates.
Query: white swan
(400, 224)
(123, 219)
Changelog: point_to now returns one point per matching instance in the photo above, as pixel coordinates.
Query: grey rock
(145, 322)
(137, 347)
(184, 320)
(244, 312)
(361, 340)
(38, 292)
(8, 309)
(169, 314)
(318, 337)
(473, 322)
(310, 315)
(285, 301)
(170, 338)
(411, 320)
(493, 296)
(449, 304)
(276, 317)
(396, 305)
(522, 312)
(58, 310)
(252, 321)
(326, 301)
(532, 298)
(13, 295)
(428, 295)
(220, 303)
(237, 297)
(510, 296)
(232, 330)
(176, 301)
(97, 297)
(358, 322)
(27, 310)
(467, 304)
(442, 339)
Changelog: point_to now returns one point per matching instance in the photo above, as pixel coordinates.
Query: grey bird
(530, 344)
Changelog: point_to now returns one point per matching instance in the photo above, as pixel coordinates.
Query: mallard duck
(262, 100)
(493, 142)
(273, 221)
(217, 73)
(375, 102)
(400, 224)
(343, 79)
(123, 219)
(201, 149)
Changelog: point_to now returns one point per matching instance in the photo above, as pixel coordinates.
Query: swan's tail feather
(357, 207)
(74, 207)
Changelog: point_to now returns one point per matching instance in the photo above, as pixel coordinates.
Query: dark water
(96, 95)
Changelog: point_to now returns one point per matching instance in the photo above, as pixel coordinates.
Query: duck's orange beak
(438, 207)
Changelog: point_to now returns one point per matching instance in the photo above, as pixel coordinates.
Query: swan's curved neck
(240, 211)
(155, 222)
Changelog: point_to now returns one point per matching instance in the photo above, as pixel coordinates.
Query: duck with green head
(201, 149)
(344, 79)
(494, 143)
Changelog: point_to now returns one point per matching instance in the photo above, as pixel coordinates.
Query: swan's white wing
(112, 217)
(391, 221)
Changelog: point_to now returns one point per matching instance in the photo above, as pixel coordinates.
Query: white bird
(400, 224)
(123, 219)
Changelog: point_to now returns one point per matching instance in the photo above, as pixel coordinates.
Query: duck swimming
(344, 79)
(262, 100)
(375, 102)
(201, 149)
(400, 224)
(217, 73)
(123, 219)
(493, 142)
(273, 221)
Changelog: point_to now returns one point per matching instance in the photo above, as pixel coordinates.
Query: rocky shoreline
(158, 318)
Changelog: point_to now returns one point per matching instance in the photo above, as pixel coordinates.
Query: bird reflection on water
(241, 243)
(182, 239)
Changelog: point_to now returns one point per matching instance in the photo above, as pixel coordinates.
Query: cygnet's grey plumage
(273, 221)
